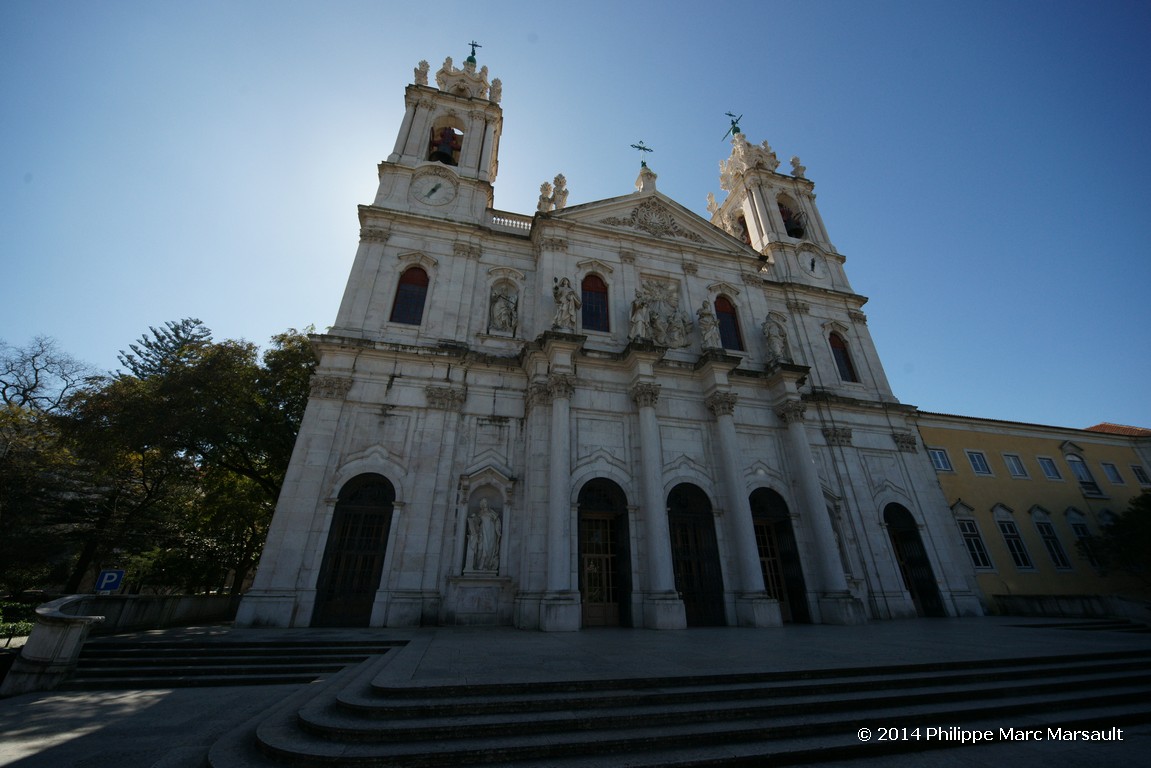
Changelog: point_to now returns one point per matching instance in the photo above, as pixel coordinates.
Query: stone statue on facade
(545, 203)
(655, 315)
(640, 325)
(496, 92)
(553, 197)
(708, 326)
(485, 530)
(421, 73)
(567, 304)
(776, 336)
(503, 311)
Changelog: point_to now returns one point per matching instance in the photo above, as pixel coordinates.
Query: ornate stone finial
(712, 205)
(721, 403)
(797, 169)
(496, 92)
(645, 395)
(745, 157)
(567, 303)
(790, 412)
(545, 203)
(645, 182)
(422, 73)
(561, 194)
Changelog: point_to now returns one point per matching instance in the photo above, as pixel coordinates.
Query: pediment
(651, 215)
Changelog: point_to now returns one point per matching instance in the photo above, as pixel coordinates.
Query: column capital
(721, 403)
(645, 394)
(560, 385)
(791, 411)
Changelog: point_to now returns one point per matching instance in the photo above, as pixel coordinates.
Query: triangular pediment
(651, 215)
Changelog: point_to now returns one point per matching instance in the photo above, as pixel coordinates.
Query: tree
(1125, 545)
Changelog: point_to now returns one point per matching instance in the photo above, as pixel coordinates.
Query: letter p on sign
(109, 581)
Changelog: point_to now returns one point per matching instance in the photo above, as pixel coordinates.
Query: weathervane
(642, 148)
(734, 129)
(474, 45)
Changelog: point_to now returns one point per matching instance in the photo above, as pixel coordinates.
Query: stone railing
(512, 222)
(62, 626)
(52, 649)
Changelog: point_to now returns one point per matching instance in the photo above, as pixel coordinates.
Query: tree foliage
(170, 467)
(1125, 544)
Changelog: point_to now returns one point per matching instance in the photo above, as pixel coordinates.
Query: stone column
(836, 605)
(762, 213)
(560, 608)
(753, 607)
(485, 169)
(405, 130)
(662, 607)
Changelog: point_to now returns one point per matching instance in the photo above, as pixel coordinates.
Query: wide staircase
(356, 718)
(114, 663)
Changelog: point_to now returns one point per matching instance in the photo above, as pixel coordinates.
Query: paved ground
(174, 728)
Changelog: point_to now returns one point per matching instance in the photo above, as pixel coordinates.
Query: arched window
(842, 358)
(445, 144)
(794, 220)
(729, 334)
(595, 309)
(410, 295)
(742, 230)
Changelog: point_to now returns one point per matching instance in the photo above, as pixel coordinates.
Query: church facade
(610, 413)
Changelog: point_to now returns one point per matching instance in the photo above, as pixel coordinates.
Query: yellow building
(1028, 500)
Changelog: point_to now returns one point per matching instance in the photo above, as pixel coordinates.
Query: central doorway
(695, 555)
(914, 565)
(354, 555)
(779, 554)
(605, 573)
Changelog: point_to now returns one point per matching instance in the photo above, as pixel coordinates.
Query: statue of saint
(567, 303)
(485, 530)
(708, 327)
(776, 337)
(640, 324)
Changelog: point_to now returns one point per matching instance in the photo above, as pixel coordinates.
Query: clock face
(812, 264)
(432, 190)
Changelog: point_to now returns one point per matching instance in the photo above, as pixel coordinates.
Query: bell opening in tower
(445, 144)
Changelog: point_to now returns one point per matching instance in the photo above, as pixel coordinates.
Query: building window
(842, 358)
(1015, 465)
(939, 459)
(1014, 544)
(1050, 471)
(411, 292)
(1140, 474)
(444, 145)
(729, 334)
(979, 462)
(1051, 541)
(974, 542)
(794, 221)
(1087, 483)
(1083, 538)
(595, 310)
(1112, 473)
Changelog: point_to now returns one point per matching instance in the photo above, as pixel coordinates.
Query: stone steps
(706, 720)
(119, 664)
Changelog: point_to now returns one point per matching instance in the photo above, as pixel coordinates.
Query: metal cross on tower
(640, 146)
(474, 45)
(734, 129)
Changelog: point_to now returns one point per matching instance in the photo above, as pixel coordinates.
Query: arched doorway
(695, 555)
(912, 559)
(354, 555)
(779, 554)
(604, 556)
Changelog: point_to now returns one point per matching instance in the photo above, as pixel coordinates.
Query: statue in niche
(567, 303)
(776, 336)
(708, 326)
(640, 325)
(503, 311)
(485, 530)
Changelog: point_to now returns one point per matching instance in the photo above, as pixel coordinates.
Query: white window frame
(1141, 475)
(1010, 533)
(1054, 547)
(1112, 473)
(940, 453)
(971, 458)
(1018, 464)
(1050, 468)
(973, 540)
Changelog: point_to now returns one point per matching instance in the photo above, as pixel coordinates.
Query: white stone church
(611, 413)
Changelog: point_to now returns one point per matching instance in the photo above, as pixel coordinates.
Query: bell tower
(775, 213)
(447, 151)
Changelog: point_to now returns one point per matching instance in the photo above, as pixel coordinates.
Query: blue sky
(982, 165)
